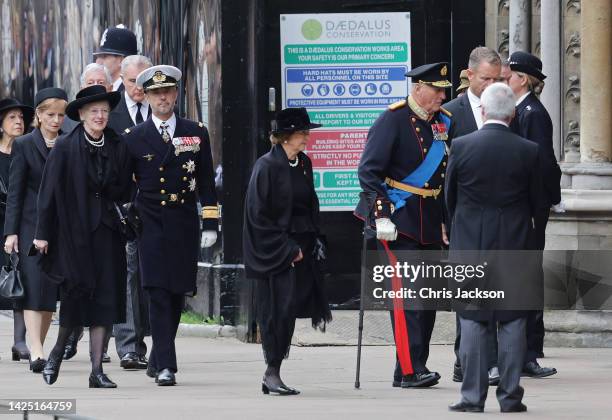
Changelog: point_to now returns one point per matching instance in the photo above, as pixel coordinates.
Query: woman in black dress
(280, 231)
(28, 160)
(14, 120)
(86, 173)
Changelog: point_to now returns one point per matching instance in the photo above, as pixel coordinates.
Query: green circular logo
(312, 29)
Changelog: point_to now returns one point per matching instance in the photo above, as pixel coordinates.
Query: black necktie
(139, 119)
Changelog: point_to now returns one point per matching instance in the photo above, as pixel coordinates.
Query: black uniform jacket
(170, 182)
(119, 118)
(69, 211)
(533, 123)
(397, 144)
(267, 247)
(492, 190)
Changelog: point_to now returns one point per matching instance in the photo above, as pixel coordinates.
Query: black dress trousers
(165, 315)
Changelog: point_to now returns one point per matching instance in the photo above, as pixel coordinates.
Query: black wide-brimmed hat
(527, 63)
(12, 103)
(118, 41)
(88, 95)
(48, 93)
(289, 120)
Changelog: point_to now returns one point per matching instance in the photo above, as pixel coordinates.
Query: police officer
(402, 172)
(173, 171)
(116, 44)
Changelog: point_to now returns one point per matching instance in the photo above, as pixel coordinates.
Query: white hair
(498, 102)
(96, 67)
(135, 60)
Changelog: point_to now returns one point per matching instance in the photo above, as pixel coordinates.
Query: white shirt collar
(492, 121)
(476, 108)
(474, 100)
(171, 124)
(522, 98)
(117, 83)
(133, 107)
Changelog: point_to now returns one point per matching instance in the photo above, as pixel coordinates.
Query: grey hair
(486, 54)
(498, 102)
(96, 67)
(135, 60)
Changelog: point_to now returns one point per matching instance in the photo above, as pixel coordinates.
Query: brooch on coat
(186, 144)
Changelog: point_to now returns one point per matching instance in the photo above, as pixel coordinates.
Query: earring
(285, 142)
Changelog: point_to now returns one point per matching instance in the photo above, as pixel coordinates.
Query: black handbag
(130, 224)
(10, 281)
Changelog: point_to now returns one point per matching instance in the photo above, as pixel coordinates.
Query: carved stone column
(520, 24)
(596, 70)
(550, 44)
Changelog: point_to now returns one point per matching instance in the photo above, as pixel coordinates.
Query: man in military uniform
(402, 171)
(173, 170)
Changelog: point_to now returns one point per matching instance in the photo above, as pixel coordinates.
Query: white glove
(385, 230)
(558, 208)
(209, 237)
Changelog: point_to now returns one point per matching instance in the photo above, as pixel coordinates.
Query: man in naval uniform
(402, 172)
(173, 171)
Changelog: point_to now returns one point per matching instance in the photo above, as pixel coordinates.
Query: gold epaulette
(397, 105)
(446, 112)
(127, 131)
(200, 123)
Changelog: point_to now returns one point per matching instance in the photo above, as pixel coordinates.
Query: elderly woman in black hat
(86, 174)
(29, 155)
(15, 118)
(280, 232)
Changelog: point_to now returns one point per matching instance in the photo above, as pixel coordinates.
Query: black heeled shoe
(51, 370)
(280, 389)
(100, 380)
(18, 355)
(37, 365)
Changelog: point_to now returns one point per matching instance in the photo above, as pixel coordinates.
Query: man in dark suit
(402, 168)
(133, 109)
(484, 67)
(116, 44)
(173, 170)
(533, 123)
(492, 189)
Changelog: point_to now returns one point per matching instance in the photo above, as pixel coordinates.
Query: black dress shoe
(133, 361)
(494, 376)
(464, 407)
(51, 370)
(457, 373)
(420, 380)
(37, 365)
(165, 377)
(70, 350)
(105, 358)
(151, 371)
(18, 355)
(100, 380)
(520, 408)
(267, 388)
(534, 370)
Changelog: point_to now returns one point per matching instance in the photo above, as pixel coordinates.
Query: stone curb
(206, 331)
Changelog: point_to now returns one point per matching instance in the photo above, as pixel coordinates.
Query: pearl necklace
(95, 143)
(50, 143)
(294, 164)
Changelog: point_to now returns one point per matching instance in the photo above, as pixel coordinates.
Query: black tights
(97, 340)
(272, 373)
(19, 331)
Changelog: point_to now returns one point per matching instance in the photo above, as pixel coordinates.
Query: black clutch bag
(130, 224)
(10, 282)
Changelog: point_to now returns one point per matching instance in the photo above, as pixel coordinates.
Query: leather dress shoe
(133, 361)
(464, 407)
(165, 377)
(494, 376)
(534, 370)
(457, 373)
(420, 380)
(18, 354)
(100, 380)
(51, 370)
(283, 389)
(37, 365)
(520, 408)
(397, 382)
(151, 371)
(105, 358)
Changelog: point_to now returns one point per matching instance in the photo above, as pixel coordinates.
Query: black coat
(69, 211)
(463, 117)
(492, 189)
(532, 122)
(170, 242)
(397, 144)
(119, 118)
(267, 247)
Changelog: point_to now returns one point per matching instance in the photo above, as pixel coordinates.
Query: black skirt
(107, 304)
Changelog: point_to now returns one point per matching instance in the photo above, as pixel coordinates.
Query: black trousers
(165, 315)
(419, 323)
